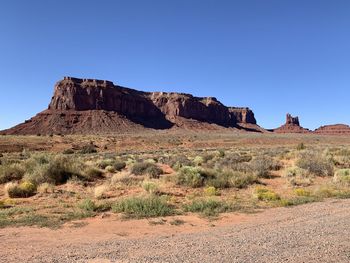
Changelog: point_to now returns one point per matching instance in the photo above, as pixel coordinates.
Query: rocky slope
(339, 129)
(292, 125)
(98, 106)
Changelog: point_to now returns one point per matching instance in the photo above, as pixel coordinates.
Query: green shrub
(265, 194)
(45, 188)
(207, 207)
(341, 161)
(219, 180)
(154, 171)
(190, 176)
(300, 200)
(68, 151)
(104, 163)
(88, 205)
(146, 168)
(143, 207)
(198, 177)
(198, 160)
(220, 153)
(301, 146)
(262, 165)
(150, 187)
(116, 164)
(178, 161)
(316, 164)
(90, 148)
(211, 191)
(302, 192)
(110, 169)
(325, 191)
(10, 173)
(119, 165)
(242, 180)
(57, 171)
(23, 190)
(342, 176)
(92, 173)
(298, 177)
(234, 161)
(227, 179)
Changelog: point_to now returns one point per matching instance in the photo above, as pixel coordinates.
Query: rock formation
(99, 106)
(292, 125)
(242, 115)
(336, 129)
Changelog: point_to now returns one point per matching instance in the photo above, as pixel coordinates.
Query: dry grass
(150, 176)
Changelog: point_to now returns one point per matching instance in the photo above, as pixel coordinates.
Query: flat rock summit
(91, 106)
(98, 106)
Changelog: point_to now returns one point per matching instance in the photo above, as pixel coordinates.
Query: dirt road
(318, 232)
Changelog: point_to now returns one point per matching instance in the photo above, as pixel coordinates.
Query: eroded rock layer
(336, 129)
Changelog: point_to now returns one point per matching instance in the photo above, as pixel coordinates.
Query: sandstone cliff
(99, 106)
(242, 115)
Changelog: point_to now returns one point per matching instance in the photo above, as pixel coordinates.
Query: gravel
(317, 232)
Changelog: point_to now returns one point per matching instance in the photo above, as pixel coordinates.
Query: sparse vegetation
(207, 207)
(262, 166)
(298, 177)
(143, 207)
(150, 187)
(342, 176)
(316, 164)
(87, 149)
(22, 190)
(190, 176)
(144, 168)
(265, 194)
(54, 170)
(92, 173)
(301, 146)
(74, 184)
(11, 172)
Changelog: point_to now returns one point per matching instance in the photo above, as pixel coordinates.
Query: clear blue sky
(271, 55)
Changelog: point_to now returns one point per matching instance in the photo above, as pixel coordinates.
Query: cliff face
(242, 115)
(99, 106)
(87, 94)
(292, 125)
(184, 105)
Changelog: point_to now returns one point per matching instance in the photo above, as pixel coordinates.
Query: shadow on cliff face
(247, 129)
(153, 123)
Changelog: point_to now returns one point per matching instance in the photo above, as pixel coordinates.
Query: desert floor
(317, 232)
(295, 209)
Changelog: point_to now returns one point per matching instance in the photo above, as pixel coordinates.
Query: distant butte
(90, 106)
(292, 125)
(339, 129)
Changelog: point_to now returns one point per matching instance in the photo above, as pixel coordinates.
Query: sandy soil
(317, 232)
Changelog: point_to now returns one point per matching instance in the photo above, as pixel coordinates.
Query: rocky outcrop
(293, 121)
(206, 109)
(336, 129)
(242, 115)
(90, 94)
(99, 106)
(292, 125)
